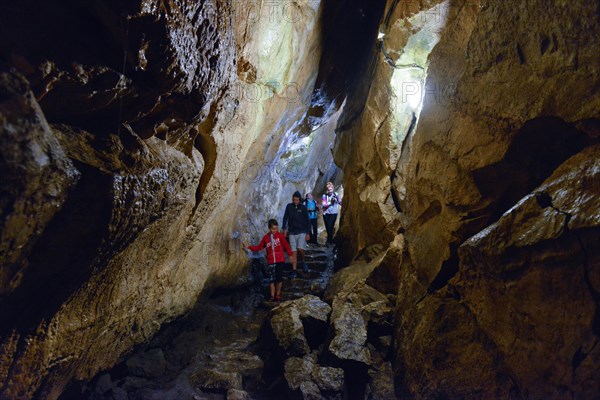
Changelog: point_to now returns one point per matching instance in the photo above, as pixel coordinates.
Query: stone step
(298, 284)
(307, 287)
(314, 272)
(317, 257)
(318, 266)
(310, 275)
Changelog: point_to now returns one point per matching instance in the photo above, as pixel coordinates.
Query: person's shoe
(278, 298)
(293, 275)
(304, 267)
(272, 299)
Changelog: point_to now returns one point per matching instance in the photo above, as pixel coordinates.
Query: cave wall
(494, 196)
(127, 128)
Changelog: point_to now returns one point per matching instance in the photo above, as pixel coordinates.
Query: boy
(274, 243)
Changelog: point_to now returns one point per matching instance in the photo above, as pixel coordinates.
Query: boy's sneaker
(304, 267)
(277, 298)
(293, 275)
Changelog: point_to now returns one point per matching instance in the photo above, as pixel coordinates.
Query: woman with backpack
(311, 206)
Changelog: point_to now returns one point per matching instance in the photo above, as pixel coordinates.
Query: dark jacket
(297, 219)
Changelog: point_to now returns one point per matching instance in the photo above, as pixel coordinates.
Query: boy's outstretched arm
(260, 246)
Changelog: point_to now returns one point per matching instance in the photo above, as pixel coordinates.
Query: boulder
(311, 308)
(349, 334)
(328, 379)
(306, 369)
(298, 370)
(133, 383)
(314, 314)
(380, 316)
(310, 391)
(287, 328)
(296, 326)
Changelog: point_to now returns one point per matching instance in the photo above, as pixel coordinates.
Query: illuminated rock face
(489, 304)
(139, 120)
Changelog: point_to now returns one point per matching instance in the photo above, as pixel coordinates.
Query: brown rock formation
(499, 116)
(112, 220)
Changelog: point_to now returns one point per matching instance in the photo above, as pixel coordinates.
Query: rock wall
(126, 130)
(492, 187)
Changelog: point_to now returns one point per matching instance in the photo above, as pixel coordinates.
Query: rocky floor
(236, 345)
(211, 353)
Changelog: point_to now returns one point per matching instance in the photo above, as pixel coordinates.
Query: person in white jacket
(331, 203)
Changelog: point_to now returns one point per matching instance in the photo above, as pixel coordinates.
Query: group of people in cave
(300, 227)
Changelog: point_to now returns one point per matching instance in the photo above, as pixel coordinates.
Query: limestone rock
(310, 391)
(119, 394)
(132, 383)
(298, 370)
(328, 379)
(349, 334)
(359, 311)
(311, 307)
(288, 331)
(314, 314)
(297, 325)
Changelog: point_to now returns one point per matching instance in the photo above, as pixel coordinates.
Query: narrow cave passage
(144, 144)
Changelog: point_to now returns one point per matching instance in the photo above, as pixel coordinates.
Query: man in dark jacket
(296, 226)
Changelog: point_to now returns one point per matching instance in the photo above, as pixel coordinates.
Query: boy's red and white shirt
(275, 248)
